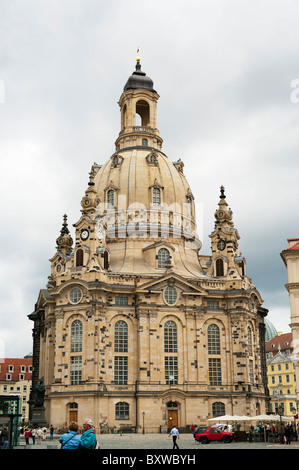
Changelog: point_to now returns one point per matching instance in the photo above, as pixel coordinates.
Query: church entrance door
(172, 418)
(74, 416)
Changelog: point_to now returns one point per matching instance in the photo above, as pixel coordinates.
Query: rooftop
(14, 367)
(282, 342)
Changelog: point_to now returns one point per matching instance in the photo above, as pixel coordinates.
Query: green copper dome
(270, 330)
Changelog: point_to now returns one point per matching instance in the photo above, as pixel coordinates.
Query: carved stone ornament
(59, 313)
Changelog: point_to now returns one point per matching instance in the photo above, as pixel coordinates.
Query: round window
(75, 295)
(170, 295)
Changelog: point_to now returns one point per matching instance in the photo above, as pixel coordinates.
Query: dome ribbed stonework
(152, 202)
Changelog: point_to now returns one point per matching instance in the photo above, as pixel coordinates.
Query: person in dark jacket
(287, 433)
(4, 438)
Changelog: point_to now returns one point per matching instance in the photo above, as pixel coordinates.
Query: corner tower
(226, 261)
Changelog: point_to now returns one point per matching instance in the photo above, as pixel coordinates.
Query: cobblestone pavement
(160, 441)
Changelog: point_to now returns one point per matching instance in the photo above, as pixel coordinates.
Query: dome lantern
(139, 79)
(138, 107)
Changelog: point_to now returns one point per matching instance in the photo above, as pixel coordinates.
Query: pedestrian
(88, 438)
(27, 436)
(70, 440)
(39, 434)
(33, 435)
(287, 434)
(192, 429)
(44, 433)
(4, 438)
(51, 432)
(175, 434)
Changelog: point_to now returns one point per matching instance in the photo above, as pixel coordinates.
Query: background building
(16, 379)
(290, 258)
(136, 328)
(281, 374)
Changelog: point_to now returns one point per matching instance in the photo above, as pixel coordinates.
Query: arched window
(122, 410)
(241, 268)
(76, 336)
(106, 259)
(163, 257)
(79, 257)
(249, 341)
(143, 110)
(170, 337)
(124, 117)
(213, 339)
(218, 409)
(219, 267)
(156, 196)
(171, 349)
(110, 198)
(121, 336)
(214, 349)
(144, 142)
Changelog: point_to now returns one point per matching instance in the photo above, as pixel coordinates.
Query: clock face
(84, 234)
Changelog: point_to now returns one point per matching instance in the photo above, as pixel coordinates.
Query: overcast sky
(224, 70)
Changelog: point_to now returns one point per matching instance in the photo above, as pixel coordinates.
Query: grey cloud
(222, 72)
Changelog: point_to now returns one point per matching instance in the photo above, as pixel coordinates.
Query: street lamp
(143, 414)
(280, 412)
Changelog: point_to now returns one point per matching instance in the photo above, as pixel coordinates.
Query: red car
(205, 434)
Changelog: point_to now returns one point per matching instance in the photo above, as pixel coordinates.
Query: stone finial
(64, 241)
(222, 195)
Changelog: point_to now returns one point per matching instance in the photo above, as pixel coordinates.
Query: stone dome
(145, 201)
(135, 175)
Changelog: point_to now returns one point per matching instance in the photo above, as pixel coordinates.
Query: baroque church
(136, 329)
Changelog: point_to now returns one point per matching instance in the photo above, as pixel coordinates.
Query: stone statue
(40, 390)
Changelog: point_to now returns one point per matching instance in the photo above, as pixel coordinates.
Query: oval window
(170, 295)
(75, 295)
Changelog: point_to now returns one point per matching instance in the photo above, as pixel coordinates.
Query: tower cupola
(138, 107)
(139, 79)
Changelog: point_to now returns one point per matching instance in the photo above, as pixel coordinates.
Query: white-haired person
(88, 438)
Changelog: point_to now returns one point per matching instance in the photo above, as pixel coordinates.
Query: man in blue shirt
(88, 438)
(175, 434)
(70, 440)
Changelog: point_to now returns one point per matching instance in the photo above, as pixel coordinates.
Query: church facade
(136, 329)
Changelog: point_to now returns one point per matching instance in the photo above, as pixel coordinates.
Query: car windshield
(201, 429)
